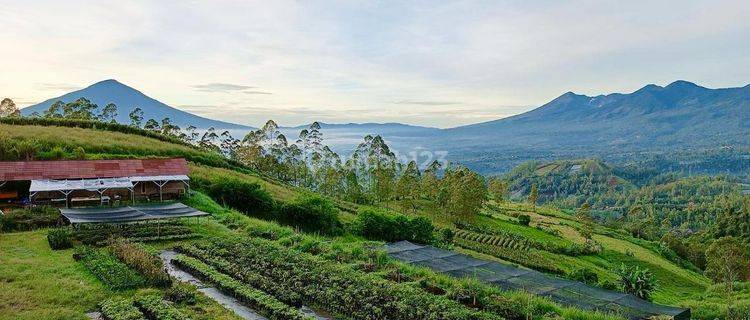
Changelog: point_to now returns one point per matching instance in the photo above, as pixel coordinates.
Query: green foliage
(338, 288)
(379, 225)
(311, 213)
(637, 281)
(524, 220)
(120, 309)
(584, 275)
(29, 218)
(153, 307)
(79, 153)
(136, 257)
(728, 260)
(99, 234)
(60, 238)
(113, 273)
(264, 303)
(182, 292)
(248, 197)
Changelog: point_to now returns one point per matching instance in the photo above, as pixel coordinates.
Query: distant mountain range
(679, 117)
(126, 99)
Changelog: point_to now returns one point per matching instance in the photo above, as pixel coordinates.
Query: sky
(433, 63)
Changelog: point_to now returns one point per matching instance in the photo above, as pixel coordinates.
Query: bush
(247, 197)
(636, 281)
(60, 238)
(182, 292)
(120, 310)
(378, 225)
(584, 275)
(524, 219)
(311, 213)
(29, 218)
(137, 258)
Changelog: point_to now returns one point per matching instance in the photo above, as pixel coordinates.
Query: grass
(38, 283)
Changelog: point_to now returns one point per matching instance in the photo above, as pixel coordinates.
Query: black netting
(509, 277)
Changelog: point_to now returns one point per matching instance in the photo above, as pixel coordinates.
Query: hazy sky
(421, 62)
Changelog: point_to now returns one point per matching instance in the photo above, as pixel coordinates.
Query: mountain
(126, 98)
(679, 117)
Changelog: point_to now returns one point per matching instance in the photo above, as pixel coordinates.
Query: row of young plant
(335, 287)
(506, 241)
(107, 268)
(264, 303)
(98, 234)
(142, 307)
(563, 246)
(528, 258)
(148, 265)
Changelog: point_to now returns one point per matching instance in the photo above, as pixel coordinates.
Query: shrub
(524, 219)
(182, 292)
(584, 275)
(29, 218)
(59, 239)
(137, 258)
(247, 197)
(79, 153)
(636, 281)
(446, 236)
(120, 310)
(311, 213)
(378, 225)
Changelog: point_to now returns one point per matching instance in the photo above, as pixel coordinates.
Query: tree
(407, 185)
(8, 109)
(136, 117)
(54, 110)
(497, 188)
(109, 113)
(152, 125)
(533, 195)
(728, 260)
(464, 192)
(82, 108)
(168, 128)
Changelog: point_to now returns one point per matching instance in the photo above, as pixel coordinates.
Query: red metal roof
(89, 169)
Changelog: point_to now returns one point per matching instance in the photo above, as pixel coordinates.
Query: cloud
(58, 86)
(426, 103)
(221, 87)
(256, 92)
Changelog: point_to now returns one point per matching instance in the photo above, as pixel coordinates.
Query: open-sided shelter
(82, 182)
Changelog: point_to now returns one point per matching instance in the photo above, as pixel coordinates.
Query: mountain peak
(683, 84)
(649, 88)
(108, 82)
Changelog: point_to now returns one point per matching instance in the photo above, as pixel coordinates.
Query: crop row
(505, 241)
(106, 267)
(245, 275)
(259, 300)
(154, 308)
(138, 258)
(529, 258)
(498, 237)
(145, 307)
(98, 234)
(338, 288)
(116, 309)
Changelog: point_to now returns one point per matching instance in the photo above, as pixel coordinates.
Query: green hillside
(270, 221)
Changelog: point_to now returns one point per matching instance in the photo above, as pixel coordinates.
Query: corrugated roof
(90, 169)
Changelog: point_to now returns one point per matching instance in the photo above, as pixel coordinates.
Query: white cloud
(430, 63)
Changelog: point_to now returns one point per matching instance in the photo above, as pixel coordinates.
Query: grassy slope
(676, 283)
